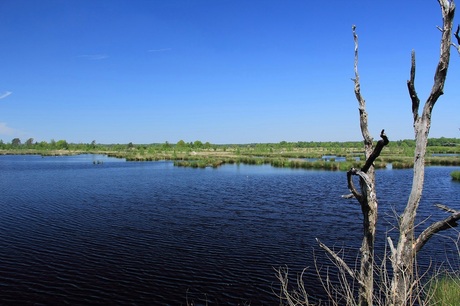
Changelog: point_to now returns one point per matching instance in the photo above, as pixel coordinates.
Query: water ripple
(149, 233)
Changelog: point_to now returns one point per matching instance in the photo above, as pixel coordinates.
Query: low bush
(455, 175)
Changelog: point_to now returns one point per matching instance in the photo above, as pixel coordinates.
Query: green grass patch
(444, 290)
(455, 175)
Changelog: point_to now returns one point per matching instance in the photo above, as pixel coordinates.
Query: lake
(90, 229)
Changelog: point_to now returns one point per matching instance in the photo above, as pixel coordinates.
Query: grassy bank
(301, 155)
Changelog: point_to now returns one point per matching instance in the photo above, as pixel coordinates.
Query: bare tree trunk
(367, 198)
(404, 255)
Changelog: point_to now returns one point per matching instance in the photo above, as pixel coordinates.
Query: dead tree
(366, 197)
(403, 256)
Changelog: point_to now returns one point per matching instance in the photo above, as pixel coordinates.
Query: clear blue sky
(223, 71)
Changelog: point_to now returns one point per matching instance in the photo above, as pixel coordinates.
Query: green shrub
(455, 175)
(402, 165)
(346, 165)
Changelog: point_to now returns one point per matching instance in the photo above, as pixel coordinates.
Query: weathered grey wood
(406, 249)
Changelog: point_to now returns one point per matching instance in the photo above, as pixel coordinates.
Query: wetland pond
(89, 229)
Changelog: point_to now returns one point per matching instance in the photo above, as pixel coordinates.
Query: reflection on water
(78, 232)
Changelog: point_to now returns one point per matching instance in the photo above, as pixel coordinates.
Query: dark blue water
(148, 233)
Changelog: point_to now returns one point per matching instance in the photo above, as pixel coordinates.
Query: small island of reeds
(455, 175)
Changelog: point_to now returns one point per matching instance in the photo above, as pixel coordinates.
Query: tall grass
(444, 290)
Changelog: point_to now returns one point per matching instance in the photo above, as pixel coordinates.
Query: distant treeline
(302, 154)
(17, 144)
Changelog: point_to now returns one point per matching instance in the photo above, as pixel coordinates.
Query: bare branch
(351, 186)
(363, 175)
(446, 208)
(436, 227)
(296, 297)
(448, 10)
(362, 103)
(376, 152)
(341, 264)
(392, 248)
(411, 88)
(457, 36)
(348, 196)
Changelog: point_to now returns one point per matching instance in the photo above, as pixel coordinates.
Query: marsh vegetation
(334, 156)
(455, 175)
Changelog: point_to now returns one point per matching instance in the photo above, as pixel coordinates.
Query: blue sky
(223, 71)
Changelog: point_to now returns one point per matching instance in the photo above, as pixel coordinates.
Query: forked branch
(362, 103)
(369, 162)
